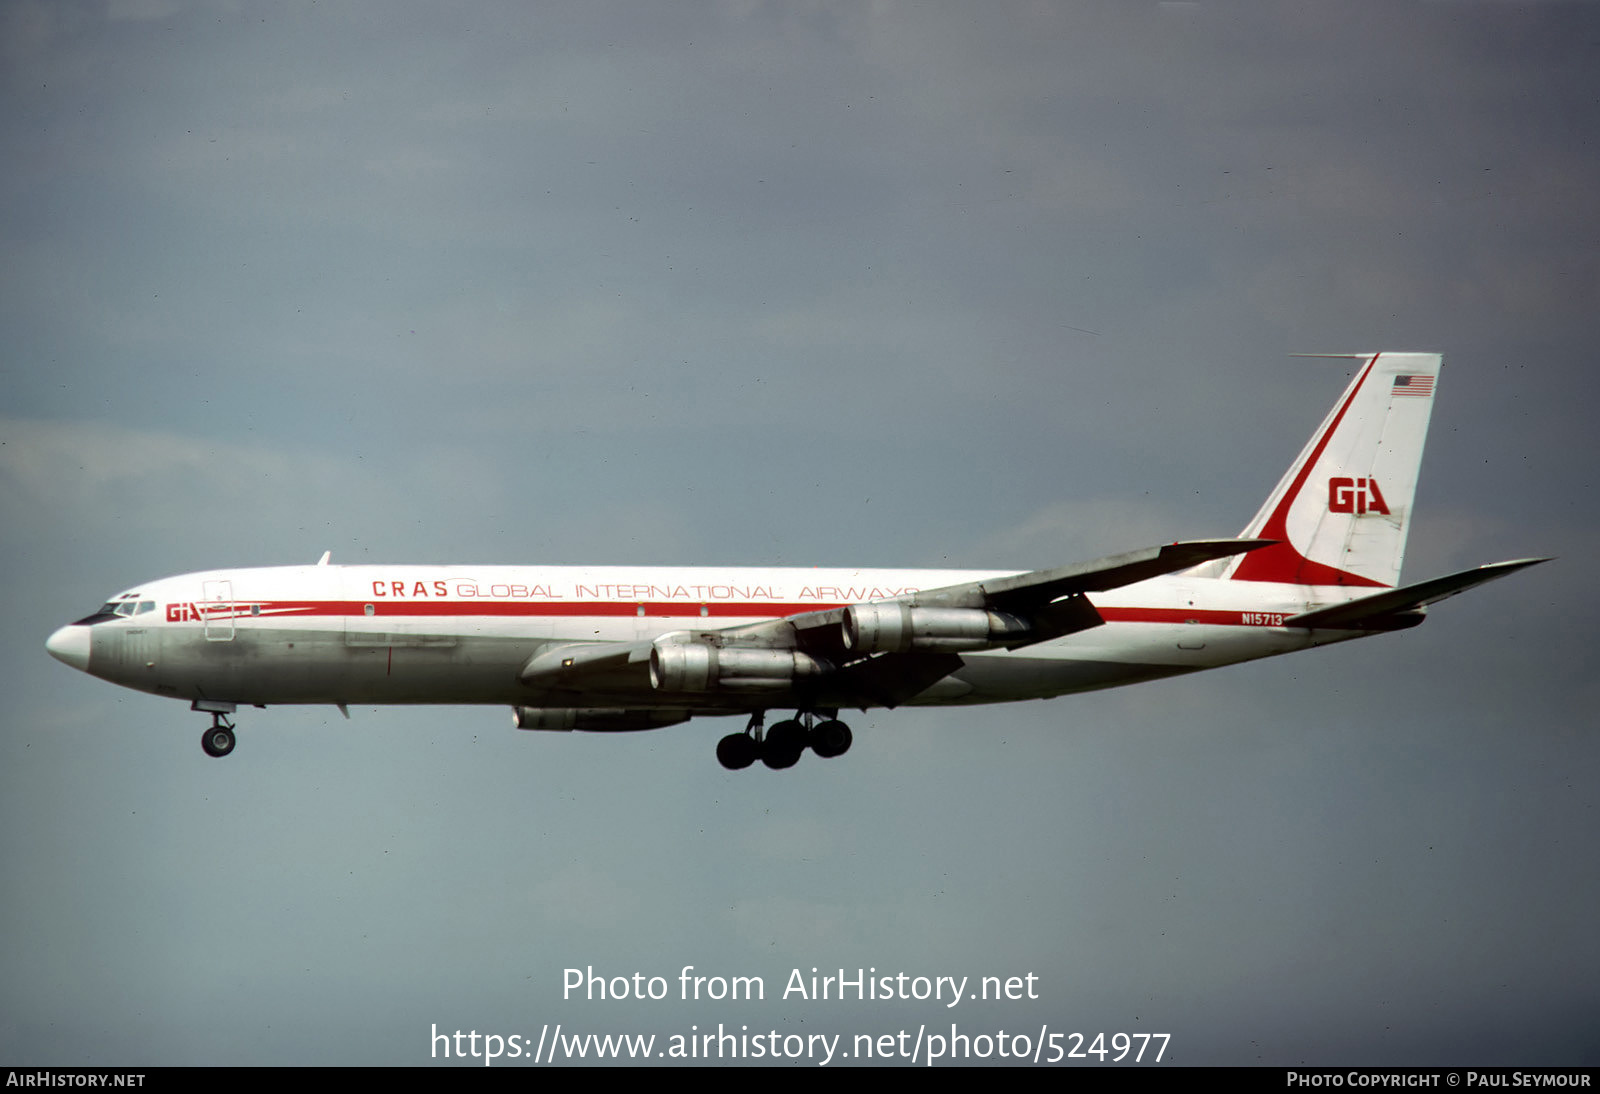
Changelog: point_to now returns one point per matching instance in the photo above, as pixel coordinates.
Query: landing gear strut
(781, 746)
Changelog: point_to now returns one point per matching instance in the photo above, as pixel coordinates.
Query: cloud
(64, 480)
(1067, 530)
(73, 467)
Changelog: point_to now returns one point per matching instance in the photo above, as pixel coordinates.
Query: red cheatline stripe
(764, 609)
(1229, 618)
(690, 612)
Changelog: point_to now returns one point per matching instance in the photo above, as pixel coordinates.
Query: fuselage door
(217, 609)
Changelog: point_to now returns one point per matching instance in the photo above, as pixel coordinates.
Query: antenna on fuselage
(323, 561)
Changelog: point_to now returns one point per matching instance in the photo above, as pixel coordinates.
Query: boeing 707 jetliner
(624, 648)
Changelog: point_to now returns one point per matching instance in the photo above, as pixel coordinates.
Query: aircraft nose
(70, 646)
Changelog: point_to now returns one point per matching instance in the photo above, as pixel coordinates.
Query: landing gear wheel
(737, 751)
(218, 740)
(785, 741)
(831, 738)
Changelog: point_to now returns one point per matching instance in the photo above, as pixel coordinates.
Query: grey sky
(806, 283)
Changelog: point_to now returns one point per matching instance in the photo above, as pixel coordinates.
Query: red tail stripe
(1283, 562)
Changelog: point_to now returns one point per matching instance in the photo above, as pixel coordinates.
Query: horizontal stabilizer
(1407, 598)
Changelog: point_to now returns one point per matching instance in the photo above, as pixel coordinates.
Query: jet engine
(697, 666)
(896, 628)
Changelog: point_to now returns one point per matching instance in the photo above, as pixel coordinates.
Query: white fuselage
(460, 634)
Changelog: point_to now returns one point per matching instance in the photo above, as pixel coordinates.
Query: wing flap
(890, 679)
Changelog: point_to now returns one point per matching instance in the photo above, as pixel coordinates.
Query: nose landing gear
(219, 740)
(781, 746)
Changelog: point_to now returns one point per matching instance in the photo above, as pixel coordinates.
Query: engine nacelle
(697, 667)
(594, 719)
(897, 628)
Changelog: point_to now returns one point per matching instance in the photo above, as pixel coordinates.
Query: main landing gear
(219, 740)
(781, 746)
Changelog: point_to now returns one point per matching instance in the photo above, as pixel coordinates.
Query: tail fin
(1342, 511)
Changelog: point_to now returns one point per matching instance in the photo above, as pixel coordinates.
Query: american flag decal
(1413, 385)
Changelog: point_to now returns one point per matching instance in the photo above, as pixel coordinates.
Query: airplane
(630, 648)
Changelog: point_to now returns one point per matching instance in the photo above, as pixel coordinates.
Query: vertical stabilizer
(1342, 511)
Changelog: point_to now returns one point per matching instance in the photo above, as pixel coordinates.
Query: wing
(878, 653)
(1050, 602)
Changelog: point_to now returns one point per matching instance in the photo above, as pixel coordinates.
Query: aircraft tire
(785, 741)
(218, 741)
(831, 738)
(736, 751)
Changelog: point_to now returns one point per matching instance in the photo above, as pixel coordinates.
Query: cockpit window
(128, 604)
